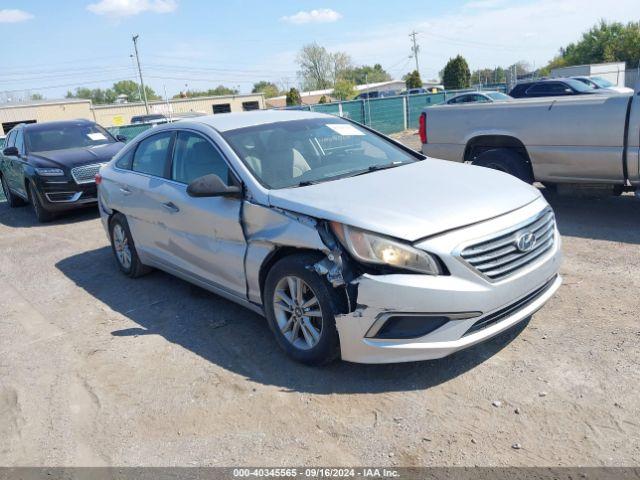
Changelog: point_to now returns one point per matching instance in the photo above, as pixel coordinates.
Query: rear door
(138, 194)
(17, 165)
(205, 238)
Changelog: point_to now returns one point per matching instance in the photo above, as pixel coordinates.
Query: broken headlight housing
(375, 249)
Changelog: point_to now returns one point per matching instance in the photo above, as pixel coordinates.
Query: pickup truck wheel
(507, 161)
(124, 249)
(42, 214)
(12, 199)
(300, 307)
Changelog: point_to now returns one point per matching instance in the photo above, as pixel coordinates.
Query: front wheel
(300, 307)
(42, 214)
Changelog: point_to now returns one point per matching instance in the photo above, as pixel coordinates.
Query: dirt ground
(97, 369)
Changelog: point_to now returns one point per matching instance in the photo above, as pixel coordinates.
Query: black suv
(554, 87)
(53, 165)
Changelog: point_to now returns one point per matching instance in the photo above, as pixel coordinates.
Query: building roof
(38, 103)
(231, 121)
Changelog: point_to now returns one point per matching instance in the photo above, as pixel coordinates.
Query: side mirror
(211, 186)
(11, 152)
(121, 138)
(568, 90)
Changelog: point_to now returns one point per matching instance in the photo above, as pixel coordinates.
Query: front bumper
(501, 304)
(61, 194)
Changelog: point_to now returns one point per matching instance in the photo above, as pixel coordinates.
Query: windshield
(287, 154)
(498, 96)
(601, 82)
(45, 139)
(578, 86)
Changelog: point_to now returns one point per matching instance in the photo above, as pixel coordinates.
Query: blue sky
(51, 47)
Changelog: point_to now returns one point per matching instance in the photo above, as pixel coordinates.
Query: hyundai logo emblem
(525, 241)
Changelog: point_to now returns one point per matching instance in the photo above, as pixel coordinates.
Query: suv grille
(86, 173)
(510, 251)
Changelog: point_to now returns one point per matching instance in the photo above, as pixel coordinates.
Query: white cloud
(322, 15)
(14, 16)
(128, 8)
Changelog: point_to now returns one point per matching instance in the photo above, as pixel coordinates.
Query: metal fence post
(340, 109)
(405, 108)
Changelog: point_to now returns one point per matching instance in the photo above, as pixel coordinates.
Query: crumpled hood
(74, 157)
(412, 201)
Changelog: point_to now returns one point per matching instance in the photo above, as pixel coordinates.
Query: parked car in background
(156, 118)
(479, 97)
(52, 165)
(602, 84)
(590, 140)
(556, 87)
(282, 212)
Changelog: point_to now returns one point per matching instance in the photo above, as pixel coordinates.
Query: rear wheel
(124, 249)
(42, 214)
(12, 199)
(300, 307)
(506, 160)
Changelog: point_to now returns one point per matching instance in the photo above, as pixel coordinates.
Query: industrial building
(12, 114)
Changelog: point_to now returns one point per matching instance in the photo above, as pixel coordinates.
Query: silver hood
(412, 201)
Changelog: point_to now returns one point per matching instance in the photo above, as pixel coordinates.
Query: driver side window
(194, 156)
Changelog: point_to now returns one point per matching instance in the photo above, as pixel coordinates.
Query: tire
(506, 160)
(124, 249)
(324, 346)
(12, 199)
(42, 214)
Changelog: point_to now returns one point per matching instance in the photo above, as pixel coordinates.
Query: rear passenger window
(126, 160)
(194, 157)
(151, 154)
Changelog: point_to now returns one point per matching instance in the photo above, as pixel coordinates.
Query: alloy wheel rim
(298, 312)
(121, 245)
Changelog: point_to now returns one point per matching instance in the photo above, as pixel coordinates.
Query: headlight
(371, 248)
(49, 172)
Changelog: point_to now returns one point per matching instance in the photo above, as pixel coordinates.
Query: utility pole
(144, 91)
(415, 49)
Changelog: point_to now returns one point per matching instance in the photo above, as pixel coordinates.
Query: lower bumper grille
(515, 307)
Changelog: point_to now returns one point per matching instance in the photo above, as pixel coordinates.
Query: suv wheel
(42, 214)
(300, 307)
(12, 199)
(124, 249)
(507, 161)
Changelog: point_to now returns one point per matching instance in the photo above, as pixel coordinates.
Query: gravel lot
(97, 369)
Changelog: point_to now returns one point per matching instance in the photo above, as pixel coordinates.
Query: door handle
(125, 191)
(171, 207)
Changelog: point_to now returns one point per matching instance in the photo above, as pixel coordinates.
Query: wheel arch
(481, 143)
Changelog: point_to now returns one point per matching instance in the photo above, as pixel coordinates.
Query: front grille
(500, 256)
(512, 309)
(86, 173)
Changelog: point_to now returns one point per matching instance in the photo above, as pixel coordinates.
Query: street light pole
(144, 91)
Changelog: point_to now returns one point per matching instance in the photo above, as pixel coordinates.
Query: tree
(293, 98)
(604, 42)
(456, 74)
(99, 96)
(319, 69)
(37, 96)
(212, 92)
(413, 80)
(343, 90)
(366, 74)
(323, 99)
(132, 90)
(269, 89)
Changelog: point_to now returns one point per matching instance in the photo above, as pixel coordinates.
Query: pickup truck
(590, 140)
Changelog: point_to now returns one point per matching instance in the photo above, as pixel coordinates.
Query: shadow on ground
(615, 219)
(238, 340)
(23, 216)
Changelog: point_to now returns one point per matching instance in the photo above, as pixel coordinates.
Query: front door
(204, 237)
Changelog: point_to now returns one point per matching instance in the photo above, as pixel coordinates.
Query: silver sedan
(350, 244)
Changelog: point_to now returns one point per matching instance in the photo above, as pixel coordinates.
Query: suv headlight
(375, 249)
(49, 172)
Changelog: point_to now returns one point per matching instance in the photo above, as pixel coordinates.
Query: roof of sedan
(231, 121)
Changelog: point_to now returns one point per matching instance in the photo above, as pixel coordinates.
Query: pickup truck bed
(592, 139)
